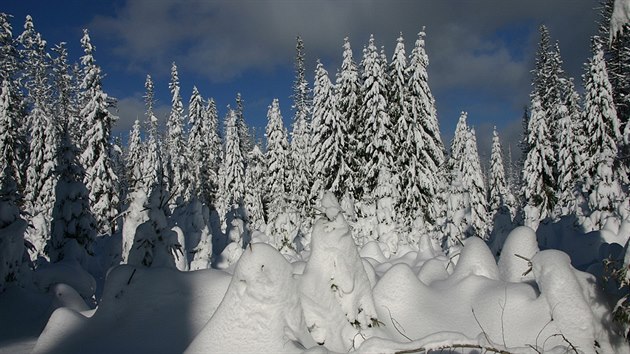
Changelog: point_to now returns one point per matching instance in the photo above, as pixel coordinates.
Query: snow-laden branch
(619, 18)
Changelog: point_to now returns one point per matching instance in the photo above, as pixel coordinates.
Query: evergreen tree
(197, 144)
(349, 102)
(603, 133)
(330, 167)
(458, 145)
(253, 200)
(12, 225)
(150, 168)
(501, 200)
(10, 65)
(100, 178)
(474, 184)
(276, 156)
(176, 157)
(73, 228)
(375, 139)
(537, 192)
(429, 148)
(244, 136)
(135, 155)
(300, 173)
(567, 156)
(233, 179)
(212, 154)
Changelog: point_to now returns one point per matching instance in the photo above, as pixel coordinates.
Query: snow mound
(143, 310)
(260, 311)
(475, 259)
(522, 242)
(336, 291)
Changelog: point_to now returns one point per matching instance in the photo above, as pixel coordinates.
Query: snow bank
(520, 242)
(260, 311)
(336, 291)
(144, 310)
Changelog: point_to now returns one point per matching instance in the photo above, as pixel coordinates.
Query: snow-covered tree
(209, 186)
(431, 174)
(602, 179)
(474, 184)
(135, 155)
(100, 178)
(458, 145)
(244, 136)
(300, 178)
(330, 167)
(12, 225)
(349, 102)
(197, 120)
(537, 192)
(276, 158)
(149, 165)
(73, 230)
(254, 192)
(501, 200)
(376, 151)
(232, 188)
(176, 157)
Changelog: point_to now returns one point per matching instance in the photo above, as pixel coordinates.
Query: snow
(260, 310)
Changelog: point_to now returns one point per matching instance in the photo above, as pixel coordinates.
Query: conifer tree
(300, 173)
(244, 136)
(537, 192)
(253, 200)
(233, 180)
(474, 183)
(501, 200)
(376, 146)
(10, 65)
(73, 228)
(176, 157)
(349, 102)
(330, 167)
(212, 154)
(135, 155)
(603, 134)
(12, 225)
(276, 156)
(150, 166)
(100, 178)
(458, 145)
(197, 144)
(427, 137)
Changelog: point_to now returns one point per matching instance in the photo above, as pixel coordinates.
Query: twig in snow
(131, 276)
(454, 346)
(529, 264)
(482, 330)
(502, 313)
(394, 322)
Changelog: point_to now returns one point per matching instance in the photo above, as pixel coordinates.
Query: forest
(350, 227)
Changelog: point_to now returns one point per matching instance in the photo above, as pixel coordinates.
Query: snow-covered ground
(339, 298)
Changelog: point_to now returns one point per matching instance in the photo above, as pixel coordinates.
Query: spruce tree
(301, 172)
(176, 157)
(602, 175)
(100, 178)
(375, 139)
(537, 193)
(501, 200)
(149, 165)
(349, 102)
(426, 136)
(196, 140)
(330, 166)
(253, 200)
(474, 183)
(135, 155)
(12, 225)
(212, 154)
(276, 156)
(73, 230)
(233, 180)
(244, 136)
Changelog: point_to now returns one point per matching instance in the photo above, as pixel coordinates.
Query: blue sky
(480, 51)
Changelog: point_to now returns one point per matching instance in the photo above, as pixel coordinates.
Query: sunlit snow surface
(345, 298)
